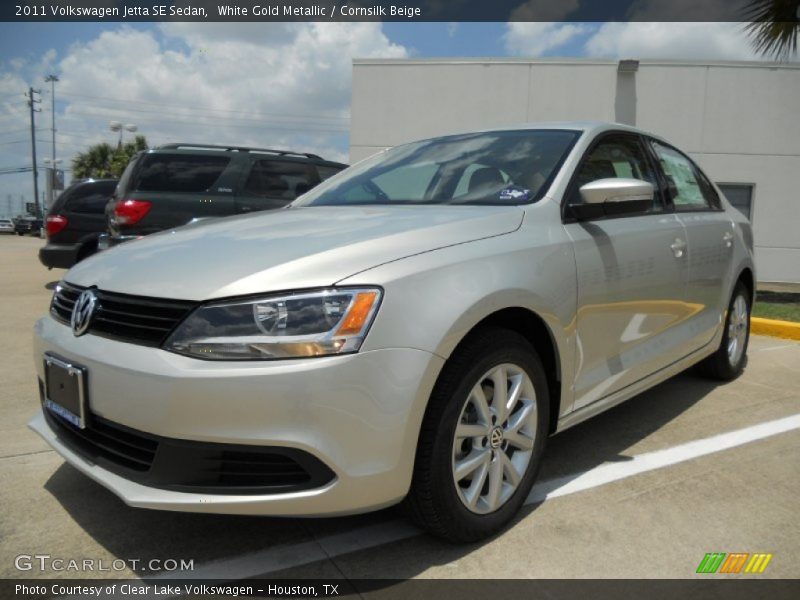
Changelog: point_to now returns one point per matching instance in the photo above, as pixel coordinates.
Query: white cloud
(534, 39)
(284, 85)
(694, 41)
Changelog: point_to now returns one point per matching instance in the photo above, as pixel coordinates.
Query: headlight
(318, 323)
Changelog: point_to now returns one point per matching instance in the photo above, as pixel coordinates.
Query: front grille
(183, 465)
(135, 319)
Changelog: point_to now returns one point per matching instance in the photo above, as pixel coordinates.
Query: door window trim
(659, 191)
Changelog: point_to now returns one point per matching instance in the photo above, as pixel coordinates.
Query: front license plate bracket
(65, 390)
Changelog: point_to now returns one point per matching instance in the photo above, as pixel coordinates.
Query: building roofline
(575, 61)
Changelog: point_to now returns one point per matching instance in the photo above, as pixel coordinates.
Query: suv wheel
(728, 361)
(483, 437)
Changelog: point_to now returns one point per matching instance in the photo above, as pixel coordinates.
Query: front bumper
(358, 414)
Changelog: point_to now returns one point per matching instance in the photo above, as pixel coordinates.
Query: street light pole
(51, 187)
(51, 79)
(32, 102)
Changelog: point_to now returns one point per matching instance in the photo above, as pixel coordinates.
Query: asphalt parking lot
(645, 490)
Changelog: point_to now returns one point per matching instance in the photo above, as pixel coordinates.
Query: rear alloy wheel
(730, 358)
(482, 439)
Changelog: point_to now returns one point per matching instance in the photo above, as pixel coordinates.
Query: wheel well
(746, 277)
(533, 328)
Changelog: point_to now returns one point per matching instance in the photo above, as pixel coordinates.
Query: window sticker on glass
(514, 193)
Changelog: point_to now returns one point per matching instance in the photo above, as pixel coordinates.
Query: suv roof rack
(182, 146)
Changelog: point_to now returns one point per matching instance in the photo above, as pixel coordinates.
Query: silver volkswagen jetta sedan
(413, 329)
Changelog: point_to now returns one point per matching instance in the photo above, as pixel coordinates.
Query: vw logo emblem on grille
(82, 312)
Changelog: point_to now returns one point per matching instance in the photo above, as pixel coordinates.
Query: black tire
(433, 502)
(719, 365)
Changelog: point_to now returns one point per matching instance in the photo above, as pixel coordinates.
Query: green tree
(104, 161)
(773, 26)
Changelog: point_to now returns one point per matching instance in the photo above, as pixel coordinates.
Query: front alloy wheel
(494, 438)
(482, 437)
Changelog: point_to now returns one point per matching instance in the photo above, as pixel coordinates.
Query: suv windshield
(498, 167)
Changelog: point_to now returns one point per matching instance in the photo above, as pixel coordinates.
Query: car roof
(216, 149)
(591, 127)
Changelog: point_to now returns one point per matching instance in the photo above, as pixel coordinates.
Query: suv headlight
(318, 323)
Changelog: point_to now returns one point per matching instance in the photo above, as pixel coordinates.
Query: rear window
(91, 199)
(281, 179)
(177, 172)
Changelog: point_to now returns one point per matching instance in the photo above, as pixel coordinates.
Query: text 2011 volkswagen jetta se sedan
(413, 328)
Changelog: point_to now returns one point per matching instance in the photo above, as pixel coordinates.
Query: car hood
(284, 249)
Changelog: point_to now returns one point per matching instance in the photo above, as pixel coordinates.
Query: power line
(309, 123)
(10, 131)
(276, 127)
(206, 109)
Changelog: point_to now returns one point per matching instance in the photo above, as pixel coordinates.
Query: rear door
(709, 233)
(271, 183)
(182, 186)
(631, 281)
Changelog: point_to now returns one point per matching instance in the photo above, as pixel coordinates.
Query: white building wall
(740, 121)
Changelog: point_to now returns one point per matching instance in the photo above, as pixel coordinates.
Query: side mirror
(612, 197)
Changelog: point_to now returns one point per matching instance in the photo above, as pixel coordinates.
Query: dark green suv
(172, 185)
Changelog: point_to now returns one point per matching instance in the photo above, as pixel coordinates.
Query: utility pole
(32, 102)
(51, 79)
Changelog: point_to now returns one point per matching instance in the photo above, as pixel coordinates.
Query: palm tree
(773, 26)
(94, 162)
(105, 161)
(124, 154)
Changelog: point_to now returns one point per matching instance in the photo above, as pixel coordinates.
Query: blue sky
(429, 39)
(281, 85)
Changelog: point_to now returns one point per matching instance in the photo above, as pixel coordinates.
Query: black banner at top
(389, 10)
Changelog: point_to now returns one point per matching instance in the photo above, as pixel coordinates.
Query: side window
(92, 199)
(326, 171)
(178, 172)
(688, 189)
(281, 179)
(616, 156)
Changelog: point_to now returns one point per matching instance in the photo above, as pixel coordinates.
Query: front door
(631, 278)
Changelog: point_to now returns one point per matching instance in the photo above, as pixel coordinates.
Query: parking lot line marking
(289, 556)
(658, 459)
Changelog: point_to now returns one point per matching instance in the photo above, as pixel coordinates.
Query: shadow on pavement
(145, 534)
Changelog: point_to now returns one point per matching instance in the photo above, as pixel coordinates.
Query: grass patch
(777, 305)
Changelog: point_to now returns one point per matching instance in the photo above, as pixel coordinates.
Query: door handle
(728, 239)
(678, 246)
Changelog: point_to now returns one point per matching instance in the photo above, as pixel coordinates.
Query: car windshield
(497, 167)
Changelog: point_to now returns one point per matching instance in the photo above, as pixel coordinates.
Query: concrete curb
(781, 329)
